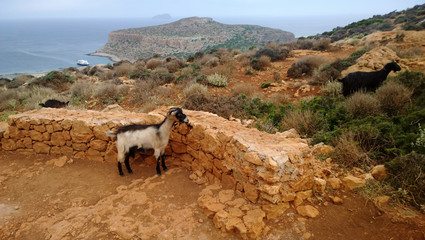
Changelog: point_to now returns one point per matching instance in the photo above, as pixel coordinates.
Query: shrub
(275, 54)
(142, 91)
(408, 175)
(394, 98)
(361, 104)
(8, 99)
(279, 99)
(332, 89)
(305, 66)
(244, 89)
(325, 74)
(41, 94)
(223, 106)
(412, 52)
(217, 80)
(414, 81)
(82, 91)
(348, 152)
(261, 63)
(124, 69)
(19, 81)
(306, 122)
(195, 88)
(55, 80)
(153, 63)
(266, 84)
(109, 93)
(322, 44)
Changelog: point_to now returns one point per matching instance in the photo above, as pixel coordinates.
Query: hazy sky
(201, 8)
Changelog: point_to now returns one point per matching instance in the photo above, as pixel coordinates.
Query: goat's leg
(163, 163)
(158, 169)
(127, 162)
(120, 169)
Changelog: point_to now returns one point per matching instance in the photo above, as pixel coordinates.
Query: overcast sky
(202, 8)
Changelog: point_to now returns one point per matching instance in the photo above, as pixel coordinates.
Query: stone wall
(260, 166)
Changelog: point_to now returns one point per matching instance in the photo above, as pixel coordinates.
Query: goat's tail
(111, 134)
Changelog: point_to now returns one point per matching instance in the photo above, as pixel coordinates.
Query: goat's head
(178, 115)
(392, 66)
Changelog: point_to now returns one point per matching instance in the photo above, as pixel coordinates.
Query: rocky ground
(47, 197)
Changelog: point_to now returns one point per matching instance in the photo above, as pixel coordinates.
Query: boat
(83, 62)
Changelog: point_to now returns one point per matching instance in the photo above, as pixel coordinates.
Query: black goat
(367, 81)
(54, 104)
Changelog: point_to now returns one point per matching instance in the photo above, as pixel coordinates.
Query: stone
(253, 158)
(379, 172)
(254, 223)
(225, 195)
(100, 132)
(319, 184)
(336, 200)
(41, 148)
(269, 177)
(80, 132)
(178, 147)
(353, 182)
(8, 144)
(270, 189)
(57, 139)
(36, 136)
(220, 219)
(98, 145)
(40, 128)
(334, 183)
(228, 182)
(274, 211)
(307, 211)
(251, 192)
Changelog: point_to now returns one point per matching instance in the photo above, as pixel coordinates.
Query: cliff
(185, 37)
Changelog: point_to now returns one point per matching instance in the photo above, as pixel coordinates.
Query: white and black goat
(138, 136)
(366, 81)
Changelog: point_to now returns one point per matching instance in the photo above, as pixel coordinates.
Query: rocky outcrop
(185, 37)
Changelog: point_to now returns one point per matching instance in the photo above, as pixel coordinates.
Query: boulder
(307, 211)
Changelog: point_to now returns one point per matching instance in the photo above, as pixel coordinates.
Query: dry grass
(305, 66)
(82, 90)
(243, 88)
(124, 69)
(412, 52)
(153, 63)
(348, 152)
(108, 93)
(40, 94)
(394, 98)
(306, 122)
(195, 88)
(361, 104)
(332, 89)
(261, 63)
(279, 98)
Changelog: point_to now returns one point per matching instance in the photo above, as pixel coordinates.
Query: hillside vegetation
(275, 87)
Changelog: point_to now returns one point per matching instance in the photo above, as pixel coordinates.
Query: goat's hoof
(159, 173)
(165, 169)
(122, 174)
(130, 172)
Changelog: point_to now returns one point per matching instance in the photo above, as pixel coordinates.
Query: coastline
(111, 57)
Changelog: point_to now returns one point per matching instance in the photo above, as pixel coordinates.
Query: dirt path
(89, 200)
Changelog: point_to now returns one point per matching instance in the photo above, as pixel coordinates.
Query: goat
(138, 136)
(368, 81)
(54, 104)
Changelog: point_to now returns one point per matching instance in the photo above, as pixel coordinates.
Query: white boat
(83, 62)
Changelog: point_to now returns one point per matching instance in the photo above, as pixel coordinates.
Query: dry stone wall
(270, 170)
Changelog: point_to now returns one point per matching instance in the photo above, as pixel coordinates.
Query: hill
(408, 20)
(187, 36)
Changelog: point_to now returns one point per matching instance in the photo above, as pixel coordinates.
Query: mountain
(187, 36)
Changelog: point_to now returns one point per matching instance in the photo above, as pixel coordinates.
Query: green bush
(55, 80)
(266, 84)
(408, 175)
(217, 80)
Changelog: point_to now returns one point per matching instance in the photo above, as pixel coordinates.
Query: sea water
(42, 45)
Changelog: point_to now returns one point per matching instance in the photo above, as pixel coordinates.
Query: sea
(31, 46)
